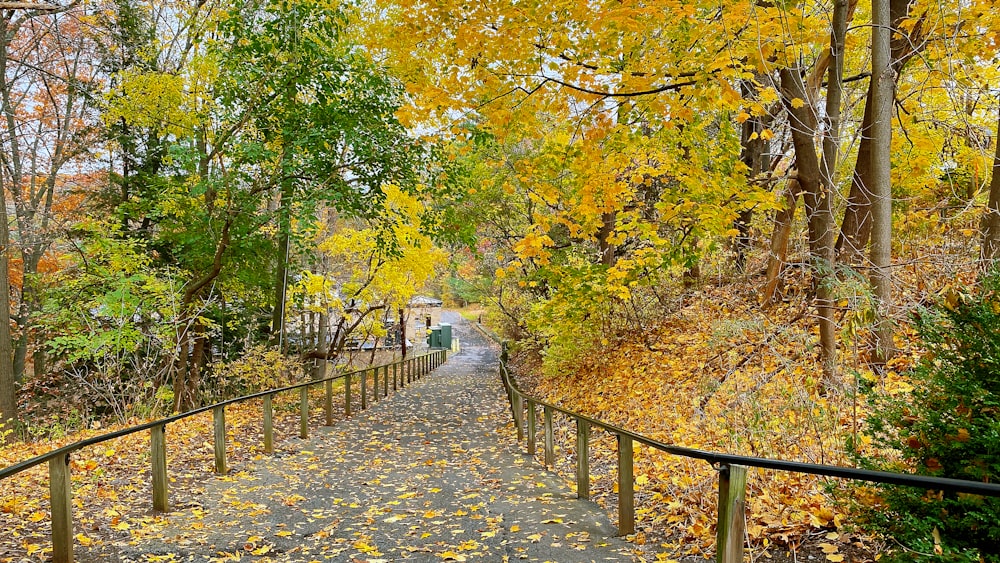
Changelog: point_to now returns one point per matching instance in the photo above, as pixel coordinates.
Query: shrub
(259, 369)
(947, 426)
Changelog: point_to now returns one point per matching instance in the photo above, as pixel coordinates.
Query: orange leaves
(720, 376)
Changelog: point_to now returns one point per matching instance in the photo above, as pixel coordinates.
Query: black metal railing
(60, 488)
(732, 468)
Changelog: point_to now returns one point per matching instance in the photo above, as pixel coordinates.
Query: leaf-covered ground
(722, 373)
(432, 474)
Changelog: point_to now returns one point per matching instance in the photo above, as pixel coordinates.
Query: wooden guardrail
(732, 468)
(404, 372)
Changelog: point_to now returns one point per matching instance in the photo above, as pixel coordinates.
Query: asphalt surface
(433, 473)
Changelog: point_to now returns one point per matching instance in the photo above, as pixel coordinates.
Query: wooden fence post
(61, 504)
(304, 412)
(158, 458)
(582, 459)
(550, 454)
(328, 402)
(732, 507)
(347, 395)
(268, 424)
(519, 416)
(395, 375)
(364, 389)
(626, 496)
(375, 397)
(219, 417)
(531, 427)
(385, 381)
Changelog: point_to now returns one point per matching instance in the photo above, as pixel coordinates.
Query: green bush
(947, 426)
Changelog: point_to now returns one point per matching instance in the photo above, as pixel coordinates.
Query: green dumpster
(445, 335)
(434, 338)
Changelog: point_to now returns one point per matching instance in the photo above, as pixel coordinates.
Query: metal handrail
(411, 369)
(730, 528)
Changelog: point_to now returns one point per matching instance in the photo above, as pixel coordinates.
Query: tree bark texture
(991, 219)
(855, 230)
(828, 184)
(778, 255)
(817, 201)
(883, 91)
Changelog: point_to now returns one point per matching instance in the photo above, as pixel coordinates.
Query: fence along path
(431, 474)
(61, 494)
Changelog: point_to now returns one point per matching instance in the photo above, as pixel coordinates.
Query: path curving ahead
(431, 474)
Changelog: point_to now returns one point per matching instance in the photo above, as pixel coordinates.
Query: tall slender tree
(883, 81)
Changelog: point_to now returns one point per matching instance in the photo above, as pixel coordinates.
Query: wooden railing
(732, 468)
(61, 489)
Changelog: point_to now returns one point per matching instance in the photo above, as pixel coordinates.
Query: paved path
(431, 474)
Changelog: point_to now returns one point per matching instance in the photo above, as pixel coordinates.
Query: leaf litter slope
(431, 475)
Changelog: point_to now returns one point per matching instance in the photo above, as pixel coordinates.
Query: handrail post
(550, 454)
(732, 507)
(394, 376)
(268, 424)
(582, 459)
(304, 412)
(375, 397)
(328, 402)
(409, 371)
(158, 459)
(531, 427)
(364, 389)
(519, 416)
(61, 504)
(347, 395)
(219, 417)
(626, 496)
(385, 381)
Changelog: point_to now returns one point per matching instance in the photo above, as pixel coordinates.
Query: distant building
(423, 312)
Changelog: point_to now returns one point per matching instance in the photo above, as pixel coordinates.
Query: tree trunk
(181, 370)
(752, 156)
(856, 227)
(828, 169)
(193, 389)
(991, 219)
(8, 389)
(816, 199)
(778, 255)
(855, 230)
(281, 267)
(402, 333)
(319, 368)
(883, 88)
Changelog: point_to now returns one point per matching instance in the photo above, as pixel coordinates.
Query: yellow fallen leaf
(835, 557)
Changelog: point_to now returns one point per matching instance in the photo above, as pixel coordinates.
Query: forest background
(200, 198)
